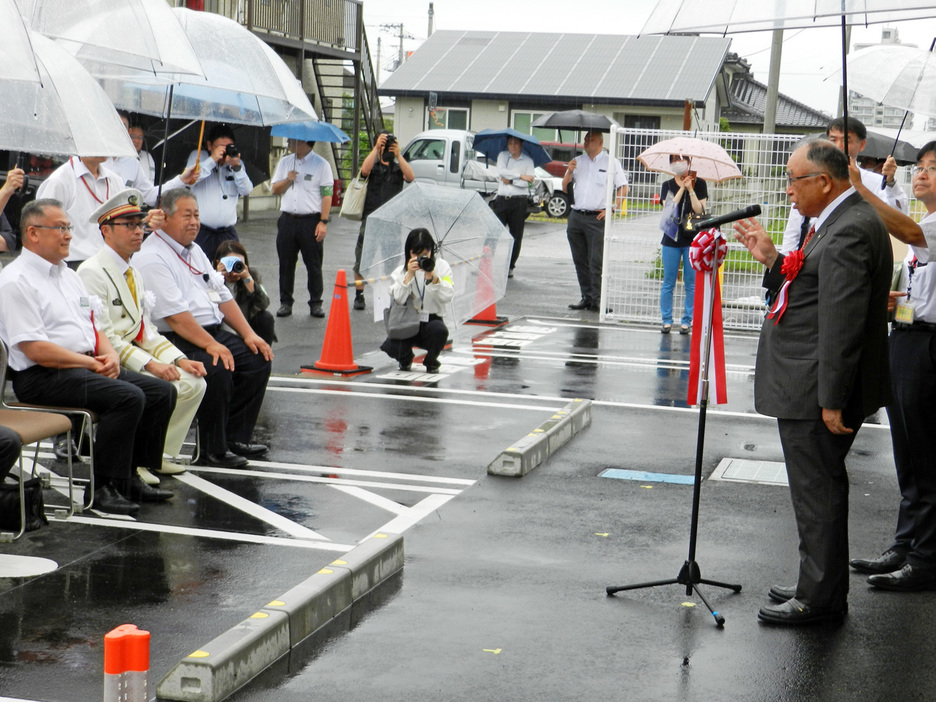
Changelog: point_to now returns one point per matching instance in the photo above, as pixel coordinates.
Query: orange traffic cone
(337, 352)
(488, 316)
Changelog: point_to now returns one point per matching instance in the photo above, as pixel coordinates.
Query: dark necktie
(804, 232)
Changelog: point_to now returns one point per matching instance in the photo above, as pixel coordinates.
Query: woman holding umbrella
(424, 281)
(689, 194)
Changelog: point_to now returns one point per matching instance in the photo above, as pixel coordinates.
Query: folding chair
(33, 427)
(88, 420)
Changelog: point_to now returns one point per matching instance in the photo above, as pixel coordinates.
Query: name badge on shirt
(307, 176)
(84, 302)
(905, 312)
(423, 316)
(214, 296)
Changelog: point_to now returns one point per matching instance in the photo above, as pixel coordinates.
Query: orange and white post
(126, 664)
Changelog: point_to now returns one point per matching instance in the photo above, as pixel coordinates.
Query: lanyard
(192, 269)
(88, 187)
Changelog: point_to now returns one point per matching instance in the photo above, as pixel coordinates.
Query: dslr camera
(230, 151)
(391, 140)
(426, 263)
(232, 264)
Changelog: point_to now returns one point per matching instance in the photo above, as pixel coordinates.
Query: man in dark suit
(822, 367)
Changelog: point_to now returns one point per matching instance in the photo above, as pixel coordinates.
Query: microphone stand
(690, 575)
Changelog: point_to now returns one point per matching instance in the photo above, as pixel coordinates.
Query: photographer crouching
(244, 283)
(425, 283)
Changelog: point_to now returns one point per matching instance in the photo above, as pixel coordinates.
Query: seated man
(58, 357)
(191, 304)
(10, 447)
(125, 320)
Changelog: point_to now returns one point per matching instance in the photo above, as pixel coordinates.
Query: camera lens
(427, 264)
(231, 150)
(238, 267)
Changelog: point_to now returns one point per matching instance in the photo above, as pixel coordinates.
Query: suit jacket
(102, 277)
(829, 349)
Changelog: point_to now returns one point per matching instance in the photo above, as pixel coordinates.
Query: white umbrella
(66, 113)
(245, 81)
(16, 52)
(140, 35)
(897, 76)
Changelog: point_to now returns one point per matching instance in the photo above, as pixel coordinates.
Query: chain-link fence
(633, 269)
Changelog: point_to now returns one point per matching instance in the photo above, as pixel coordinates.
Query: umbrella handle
(894, 147)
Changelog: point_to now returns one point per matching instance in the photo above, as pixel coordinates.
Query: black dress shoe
(582, 304)
(315, 309)
(433, 367)
(359, 303)
(284, 310)
(781, 594)
(138, 491)
(222, 460)
(242, 449)
(109, 500)
(60, 448)
(907, 579)
(795, 613)
(887, 562)
(406, 366)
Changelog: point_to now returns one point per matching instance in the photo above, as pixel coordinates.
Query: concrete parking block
(537, 446)
(314, 602)
(369, 564)
(228, 662)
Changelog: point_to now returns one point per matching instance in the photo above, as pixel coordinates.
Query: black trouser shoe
(582, 304)
(887, 562)
(285, 310)
(138, 491)
(222, 460)
(242, 449)
(795, 613)
(907, 579)
(359, 303)
(781, 594)
(315, 309)
(109, 500)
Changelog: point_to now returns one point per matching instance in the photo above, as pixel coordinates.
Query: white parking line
(414, 514)
(372, 498)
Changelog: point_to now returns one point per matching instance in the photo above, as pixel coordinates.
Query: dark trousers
(295, 235)
(585, 233)
(10, 447)
(912, 421)
(231, 405)
(209, 239)
(815, 463)
(264, 324)
(133, 411)
(512, 211)
(432, 336)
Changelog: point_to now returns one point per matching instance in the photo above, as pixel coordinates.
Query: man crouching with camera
(222, 180)
(424, 282)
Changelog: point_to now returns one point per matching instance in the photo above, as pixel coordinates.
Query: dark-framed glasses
(792, 179)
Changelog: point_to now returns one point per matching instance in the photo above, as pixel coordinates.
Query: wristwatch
(178, 360)
(324, 220)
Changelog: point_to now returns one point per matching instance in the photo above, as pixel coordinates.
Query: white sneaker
(170, 468)
(147, 477)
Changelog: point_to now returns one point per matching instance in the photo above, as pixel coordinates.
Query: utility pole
(379, 40)
(431, 20)
(398, 28)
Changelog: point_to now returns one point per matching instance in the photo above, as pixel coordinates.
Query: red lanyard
(88, 187)
(191, 268)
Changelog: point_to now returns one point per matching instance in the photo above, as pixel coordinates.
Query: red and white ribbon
(702, 256)
(792, 263)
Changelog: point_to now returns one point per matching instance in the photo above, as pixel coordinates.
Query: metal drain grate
(741, 470)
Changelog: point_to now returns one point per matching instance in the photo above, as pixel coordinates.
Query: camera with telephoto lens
(232, 264)
(426, 263)
(230, 151)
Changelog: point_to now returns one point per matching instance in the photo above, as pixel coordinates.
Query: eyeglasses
(128, 225)
(929, 170)
(63, 228)
(791, 179)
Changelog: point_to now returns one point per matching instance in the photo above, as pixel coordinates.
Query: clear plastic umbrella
(16, 52)
(245, 81)
(66, 113)
(897, 76)
(470, 238)
(143, 35)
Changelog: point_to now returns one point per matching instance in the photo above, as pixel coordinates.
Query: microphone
(710, 222)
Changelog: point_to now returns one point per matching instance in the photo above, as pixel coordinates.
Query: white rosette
(149, 304)
(216, 280)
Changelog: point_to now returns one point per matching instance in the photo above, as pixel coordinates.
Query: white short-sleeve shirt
(304, 196)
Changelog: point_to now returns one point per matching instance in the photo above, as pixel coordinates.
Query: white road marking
(327, 481)
(213, 534)
(414, 514)
(364, 473)
(372, 498)
(248, 507)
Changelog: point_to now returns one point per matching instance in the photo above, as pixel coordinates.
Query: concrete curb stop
(230, 661)
(534, 448)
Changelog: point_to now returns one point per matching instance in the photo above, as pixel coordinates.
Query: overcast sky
(809, 56)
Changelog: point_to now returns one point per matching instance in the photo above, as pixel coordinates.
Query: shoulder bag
(401, 321)
(352, 205)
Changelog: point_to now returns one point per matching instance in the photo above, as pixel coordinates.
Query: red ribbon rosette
(703, 248)
(792, 263)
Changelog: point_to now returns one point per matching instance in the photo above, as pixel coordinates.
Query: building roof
(571, 68)
(749, 101)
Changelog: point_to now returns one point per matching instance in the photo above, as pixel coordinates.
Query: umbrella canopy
(311, 130)
(491, 142)
(469, 235)
(897, 76)
(709, 160)
(143, 35)
(16, 52)
(878, 146)
(66, 113)
(576, 120)
(245, 81)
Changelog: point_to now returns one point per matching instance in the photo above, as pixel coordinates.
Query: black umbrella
(576, 120)
(880, 147)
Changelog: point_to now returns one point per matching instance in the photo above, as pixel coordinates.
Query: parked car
(555, 202)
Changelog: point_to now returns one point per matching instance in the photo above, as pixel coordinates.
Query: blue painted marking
(621, 474)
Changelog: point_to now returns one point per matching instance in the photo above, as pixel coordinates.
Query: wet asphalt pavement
(503, 592)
